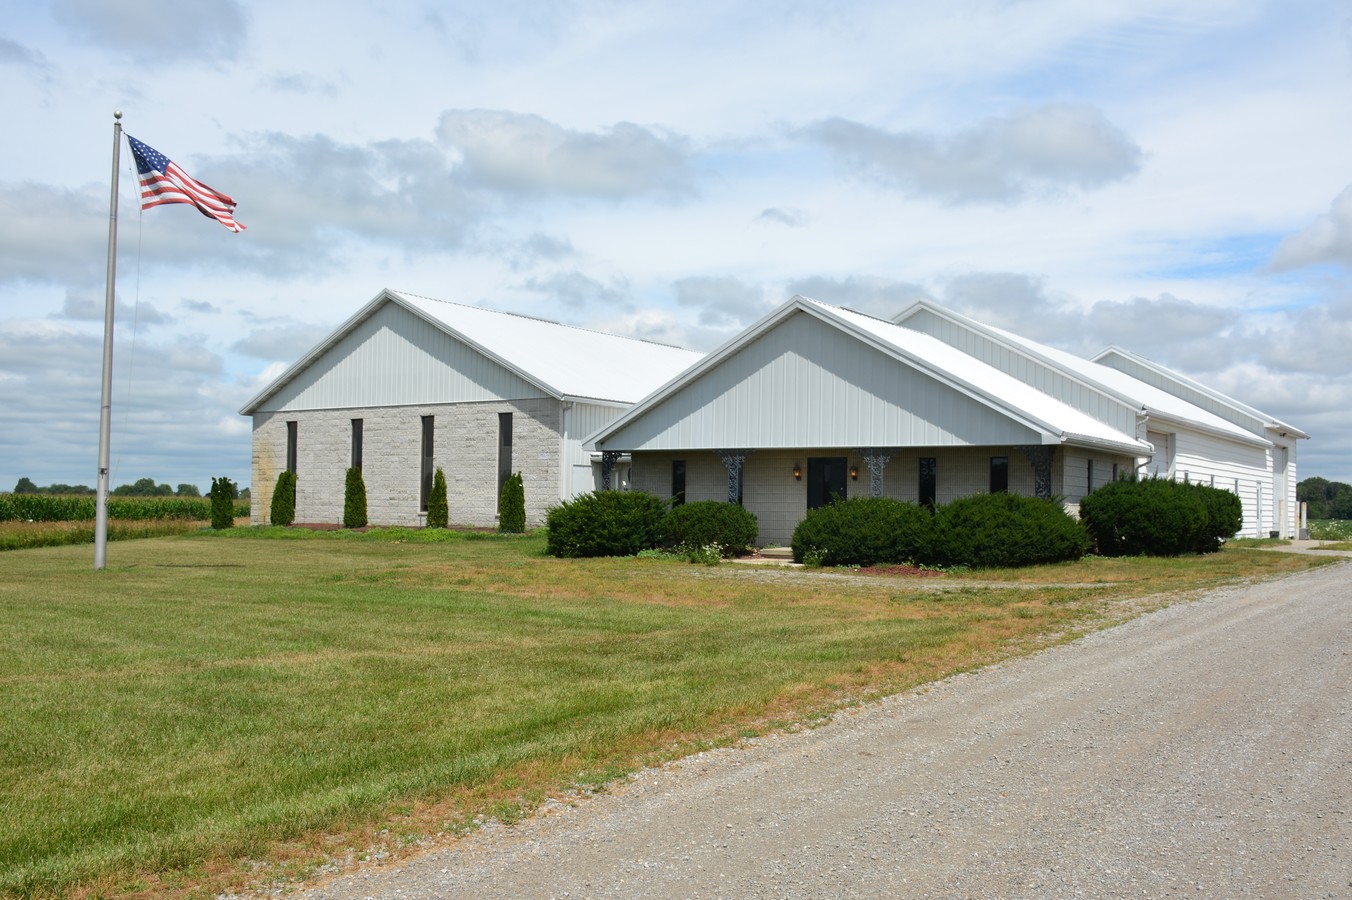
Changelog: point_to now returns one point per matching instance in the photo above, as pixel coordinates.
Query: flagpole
(106, 403)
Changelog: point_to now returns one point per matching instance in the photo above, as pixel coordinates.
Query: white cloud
(1043, 149)
(168, 400)
(723, 302)
(524, 153)
(577, 291)
(158, 30)
(14, 53)
(1328, 239)
(287, 341)
(793, 218)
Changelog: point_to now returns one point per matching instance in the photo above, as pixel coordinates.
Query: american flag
(163, 181)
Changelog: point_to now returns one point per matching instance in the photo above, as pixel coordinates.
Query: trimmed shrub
(704, 523)
(354, 500)
(1155, 517)
(222, 496)
(863, 531)
(512, 506)
(1224, 517)
(283, 511)
(605, 523)
(1005, 530)
(438, 510)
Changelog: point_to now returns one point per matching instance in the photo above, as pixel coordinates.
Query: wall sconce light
(854, 473)
(797, 472)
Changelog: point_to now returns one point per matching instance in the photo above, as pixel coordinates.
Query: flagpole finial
(117, 114)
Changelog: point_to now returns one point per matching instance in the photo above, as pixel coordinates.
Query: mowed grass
(212, 709)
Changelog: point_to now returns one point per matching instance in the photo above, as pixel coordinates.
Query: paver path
(1204, 750)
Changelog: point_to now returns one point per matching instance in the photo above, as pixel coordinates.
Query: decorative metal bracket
(876, 458)
(734, 461)
(1040, 457)
(608, 458)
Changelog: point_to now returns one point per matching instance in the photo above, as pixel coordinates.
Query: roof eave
(1149, 415)
(317, 351)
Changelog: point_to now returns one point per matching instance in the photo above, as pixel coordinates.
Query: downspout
(565, 458)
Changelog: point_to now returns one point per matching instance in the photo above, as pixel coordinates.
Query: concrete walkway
(1310, 547)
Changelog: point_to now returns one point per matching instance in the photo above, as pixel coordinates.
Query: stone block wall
(465, 446)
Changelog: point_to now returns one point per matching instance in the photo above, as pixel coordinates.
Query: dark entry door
(826, 477)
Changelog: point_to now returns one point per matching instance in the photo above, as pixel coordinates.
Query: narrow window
(291, 435)
(677, 482)
(999, 474)
(426, 489)
(504, 451)
(1089, 477)
(1114, 471)
(929, 480)
(356, 443)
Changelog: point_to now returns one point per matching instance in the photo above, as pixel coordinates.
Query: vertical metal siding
(395, 358)
(806, 384)
(1047, 379)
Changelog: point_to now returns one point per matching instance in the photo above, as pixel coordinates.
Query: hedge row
(985, 530)
(80, 508)
(622, 523)
(1154, 516)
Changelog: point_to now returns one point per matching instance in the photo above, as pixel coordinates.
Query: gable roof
(1151, 401)
(563, 361)
(1055, 420)
(1182, 386)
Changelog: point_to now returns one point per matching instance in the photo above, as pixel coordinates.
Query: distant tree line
(1326, 499)
(142, 487)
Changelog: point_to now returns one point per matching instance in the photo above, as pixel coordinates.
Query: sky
(1175, 179)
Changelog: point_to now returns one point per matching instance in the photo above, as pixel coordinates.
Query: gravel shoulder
(1204, 749)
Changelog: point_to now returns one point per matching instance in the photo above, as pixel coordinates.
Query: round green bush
(1005, 530)
(1224, 517)
(703, 523)
(606, 523)
(863, 531)
(1156, 517)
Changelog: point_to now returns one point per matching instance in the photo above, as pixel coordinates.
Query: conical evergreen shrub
(512, 506)
(283, 510)
(438, 511)
(354, 500)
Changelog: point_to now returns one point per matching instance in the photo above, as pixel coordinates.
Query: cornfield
(68, 508)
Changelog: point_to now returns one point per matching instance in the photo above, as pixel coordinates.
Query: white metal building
(814, 401)
(410, 384)
(1195, 432)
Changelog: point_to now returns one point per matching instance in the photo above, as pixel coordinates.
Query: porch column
(876, 458)
(733, 460)
(608, 458)
(1041, 459)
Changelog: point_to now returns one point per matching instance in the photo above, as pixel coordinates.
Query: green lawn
(209, 700)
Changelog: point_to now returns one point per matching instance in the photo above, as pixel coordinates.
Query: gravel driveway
(1204, 750)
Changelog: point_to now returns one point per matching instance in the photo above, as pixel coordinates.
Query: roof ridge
(542, 319)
